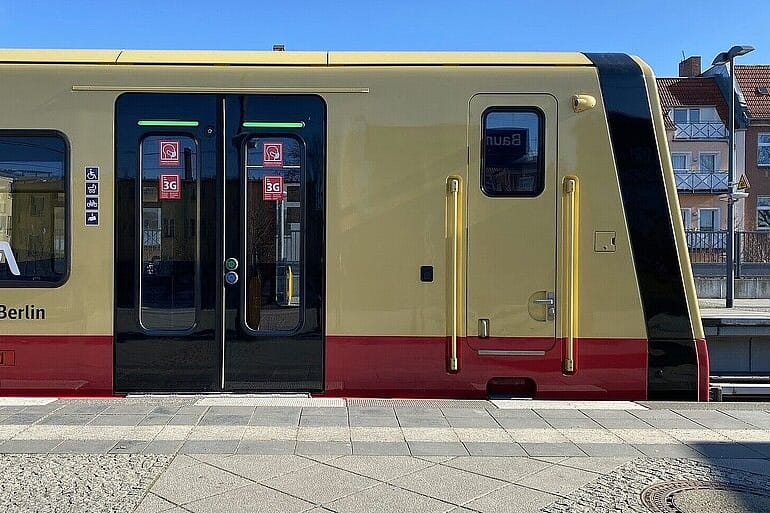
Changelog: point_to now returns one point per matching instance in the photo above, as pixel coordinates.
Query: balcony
(703, 130)
(687, 181)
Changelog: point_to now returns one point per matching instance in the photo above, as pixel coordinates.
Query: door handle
(549, 303)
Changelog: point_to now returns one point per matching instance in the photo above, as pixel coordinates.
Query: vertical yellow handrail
(289, 285)
(572, 231)
(453, 189)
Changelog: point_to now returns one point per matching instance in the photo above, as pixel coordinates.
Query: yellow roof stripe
(219, 57)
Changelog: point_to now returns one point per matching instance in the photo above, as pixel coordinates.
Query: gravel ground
(113, 483)
(620, 491)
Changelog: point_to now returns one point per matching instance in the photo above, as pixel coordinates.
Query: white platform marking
(26, 401)
(297, 401)
(524, 404)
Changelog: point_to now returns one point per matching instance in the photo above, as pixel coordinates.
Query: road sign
(272, 188)
(743, 183)
(169, 187)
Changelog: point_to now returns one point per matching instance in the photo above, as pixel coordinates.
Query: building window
(513, 162)
(708, 162)
(33, 178)
(763, 213)
(686, 218)
(708, 219)
(680, 162)
(686, 116)
(763, 150)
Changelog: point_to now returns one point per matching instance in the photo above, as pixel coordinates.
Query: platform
(238, 454)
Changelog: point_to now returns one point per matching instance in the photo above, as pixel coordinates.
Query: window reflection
(32, 208)
(169, 255)
(513, 164)
(273, 234)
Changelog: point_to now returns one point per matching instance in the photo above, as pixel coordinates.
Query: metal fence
(752, 252)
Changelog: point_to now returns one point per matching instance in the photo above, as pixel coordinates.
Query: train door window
(273, 230)
(33, 205)
(169, 285)
(512, 152)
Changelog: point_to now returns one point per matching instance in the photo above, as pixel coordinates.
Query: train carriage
(345, 224)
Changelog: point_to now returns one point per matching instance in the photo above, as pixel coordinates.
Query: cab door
(512, 232)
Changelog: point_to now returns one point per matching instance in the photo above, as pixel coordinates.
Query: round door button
(231, 264)
(231, 278)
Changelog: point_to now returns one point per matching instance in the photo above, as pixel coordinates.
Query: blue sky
(657, 30)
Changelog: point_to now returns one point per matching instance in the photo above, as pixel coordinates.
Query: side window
(33, 209)
(513, 157)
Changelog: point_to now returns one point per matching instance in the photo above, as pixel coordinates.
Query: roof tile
(750, 77)
(690, 92)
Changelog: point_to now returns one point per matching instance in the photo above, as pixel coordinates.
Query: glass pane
(763, 155)
(708, 220)
(169, 169)
(763, 201)
(694, 115)
(679, 161)
(685, 218)
(708, 162)
(33, 245)
(512, 164)
(274, 171)
(763, 218)
(764, 138)
(680, 116)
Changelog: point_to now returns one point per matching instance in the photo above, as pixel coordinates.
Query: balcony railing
(703, 130)
(687, 181)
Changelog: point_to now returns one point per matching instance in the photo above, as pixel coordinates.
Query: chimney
(690, 67)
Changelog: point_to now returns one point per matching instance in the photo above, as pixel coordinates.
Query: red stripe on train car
(416, 367)
(47, 365)
(702, 353)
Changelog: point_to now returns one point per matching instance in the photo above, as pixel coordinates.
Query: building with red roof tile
(696, 115)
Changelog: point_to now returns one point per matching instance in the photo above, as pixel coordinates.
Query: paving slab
(257, 468)
(377, 448)
(512, 499)
(505, 469)
(386, 498)
(253, 498)
(320, 483)
(449, 484)
(437, 448)
(184, 484)
(381, 468)
(266, 447)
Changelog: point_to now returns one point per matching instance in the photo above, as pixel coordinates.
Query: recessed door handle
(549, 302)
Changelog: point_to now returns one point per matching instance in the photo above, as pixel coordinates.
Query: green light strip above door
(165, 122)
(273, 124)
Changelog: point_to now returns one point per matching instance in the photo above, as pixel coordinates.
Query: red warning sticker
(169, 153)
(272, 188)
(272, 154)
(170, 187)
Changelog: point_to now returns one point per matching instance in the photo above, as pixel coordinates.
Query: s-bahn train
(343, 224)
